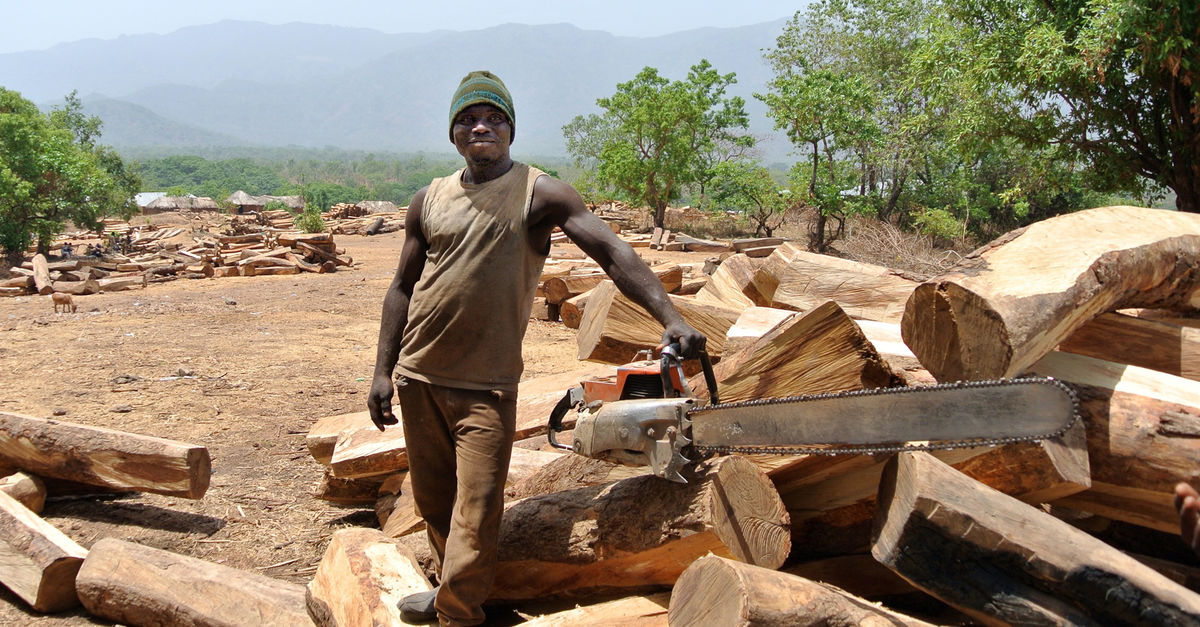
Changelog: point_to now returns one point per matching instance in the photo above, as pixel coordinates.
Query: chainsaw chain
(834, 449)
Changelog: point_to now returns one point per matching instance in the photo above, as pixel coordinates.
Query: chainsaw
(648, 416)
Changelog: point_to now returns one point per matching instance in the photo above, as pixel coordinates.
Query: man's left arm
(557, 204)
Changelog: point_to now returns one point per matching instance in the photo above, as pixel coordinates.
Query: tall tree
(656, 136)
(52, 171)
(1117, 81)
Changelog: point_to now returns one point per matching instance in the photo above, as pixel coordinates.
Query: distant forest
(323, 176)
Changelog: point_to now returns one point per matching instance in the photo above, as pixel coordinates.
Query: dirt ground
(243, 366)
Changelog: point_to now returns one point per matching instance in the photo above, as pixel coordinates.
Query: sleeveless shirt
(470, 307)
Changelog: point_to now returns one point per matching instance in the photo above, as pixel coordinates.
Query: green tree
(52, 172)
(826, 115)
(656, 136)
(751, 190)
(1115, 81)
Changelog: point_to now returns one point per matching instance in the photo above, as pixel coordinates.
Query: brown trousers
(459, 445)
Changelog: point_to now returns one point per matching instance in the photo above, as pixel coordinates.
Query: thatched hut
(245, 203)
(181, 203)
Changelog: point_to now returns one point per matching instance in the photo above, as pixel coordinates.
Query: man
(453, 321)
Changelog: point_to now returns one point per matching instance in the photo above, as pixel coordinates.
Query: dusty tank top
(469, 310)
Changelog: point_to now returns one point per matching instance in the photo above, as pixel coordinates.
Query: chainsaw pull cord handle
(670, 359)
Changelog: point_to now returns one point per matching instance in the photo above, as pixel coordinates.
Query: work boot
(418, 608)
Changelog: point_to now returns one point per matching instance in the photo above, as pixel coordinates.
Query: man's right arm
(395, 313)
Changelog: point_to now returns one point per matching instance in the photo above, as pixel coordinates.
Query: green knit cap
(482, 87)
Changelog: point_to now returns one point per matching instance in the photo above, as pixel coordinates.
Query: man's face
(482, 133)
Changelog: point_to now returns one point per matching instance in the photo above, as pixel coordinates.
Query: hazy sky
(40, 24)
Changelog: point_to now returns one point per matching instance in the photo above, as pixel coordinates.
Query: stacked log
(148, 260)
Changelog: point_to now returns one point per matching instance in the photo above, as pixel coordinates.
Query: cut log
(77, 288)
(732, 285)
(832, 500)
(571, 310)
(1154, 344)
(638, 533)
(864, 290)
(27, 489)
(1013, 301)
(754, 323)
(1004, 562)
(766, 279)
(633, 611)
(614, 329)
(104, 457)
(1143, 436)
(41, 275)
(361, 579)
(37, 561)
(349, 492)
(719, 591)
(561, 288)
(742, 245)
(821, 351)
(323, 435)
(133, 584)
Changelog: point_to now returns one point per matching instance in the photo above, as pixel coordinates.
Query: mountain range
(236, 83)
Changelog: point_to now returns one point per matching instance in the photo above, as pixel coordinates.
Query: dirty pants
(459, 445)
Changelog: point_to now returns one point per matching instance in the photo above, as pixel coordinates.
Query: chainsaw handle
(670, 358)
(573, 398)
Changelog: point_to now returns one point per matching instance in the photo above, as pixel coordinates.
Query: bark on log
(27, 489)
(821, 351)
(639, 533)
(614, 329)
(104, 457)
(37, 561)
(349, 492)
(137, 585)
(1154, 344)
(1143, 436)
(718, 591)
(973, 548)
(832, 500)
(571, 310)
(569, 472)
(361, 579)
(864, 290)
(732, 285)
(1013, 301)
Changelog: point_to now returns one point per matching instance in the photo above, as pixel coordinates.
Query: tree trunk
(27, 489)
(104, 457)
(718, 591)
(732, 285)
(632, 611)
(1154, 344)
(639, 533)
(1004, 562)
(1013, 301)
(133, 584)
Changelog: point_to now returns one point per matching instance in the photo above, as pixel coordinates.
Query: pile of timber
(253, 254)
(1014, 533)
